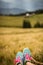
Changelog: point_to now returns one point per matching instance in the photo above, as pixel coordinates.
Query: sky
(22, 4)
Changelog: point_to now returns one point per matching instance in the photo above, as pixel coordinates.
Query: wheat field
(13, 40)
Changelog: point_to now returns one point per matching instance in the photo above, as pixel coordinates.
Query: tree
(37, 25)
(26, 24)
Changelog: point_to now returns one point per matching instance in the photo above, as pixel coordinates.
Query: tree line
(27, 24)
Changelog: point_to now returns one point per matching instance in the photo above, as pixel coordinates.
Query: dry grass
(13, 40)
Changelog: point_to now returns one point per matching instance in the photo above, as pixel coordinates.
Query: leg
(27, 56)
(28, 63)
(19, 59)
(19, 64)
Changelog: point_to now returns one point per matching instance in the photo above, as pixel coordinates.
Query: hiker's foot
(19, 57)
(27, 55)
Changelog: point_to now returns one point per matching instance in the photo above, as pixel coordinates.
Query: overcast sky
(23, 4)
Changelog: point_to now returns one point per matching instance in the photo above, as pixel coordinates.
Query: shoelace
(28, 57)
(17, 60)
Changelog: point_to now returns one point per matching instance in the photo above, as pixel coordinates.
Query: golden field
(13, 40)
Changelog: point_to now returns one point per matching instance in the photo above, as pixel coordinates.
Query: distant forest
(21, 14)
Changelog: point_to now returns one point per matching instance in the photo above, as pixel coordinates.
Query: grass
(17, 21)
(10, 20)
(13, 40)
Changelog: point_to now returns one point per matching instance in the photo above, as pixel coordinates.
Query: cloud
(6, 4)
(23, 4)
(8, 1)
(33, 4)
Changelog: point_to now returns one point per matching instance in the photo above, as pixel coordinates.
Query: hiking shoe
(19, 58)
(27, 55)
